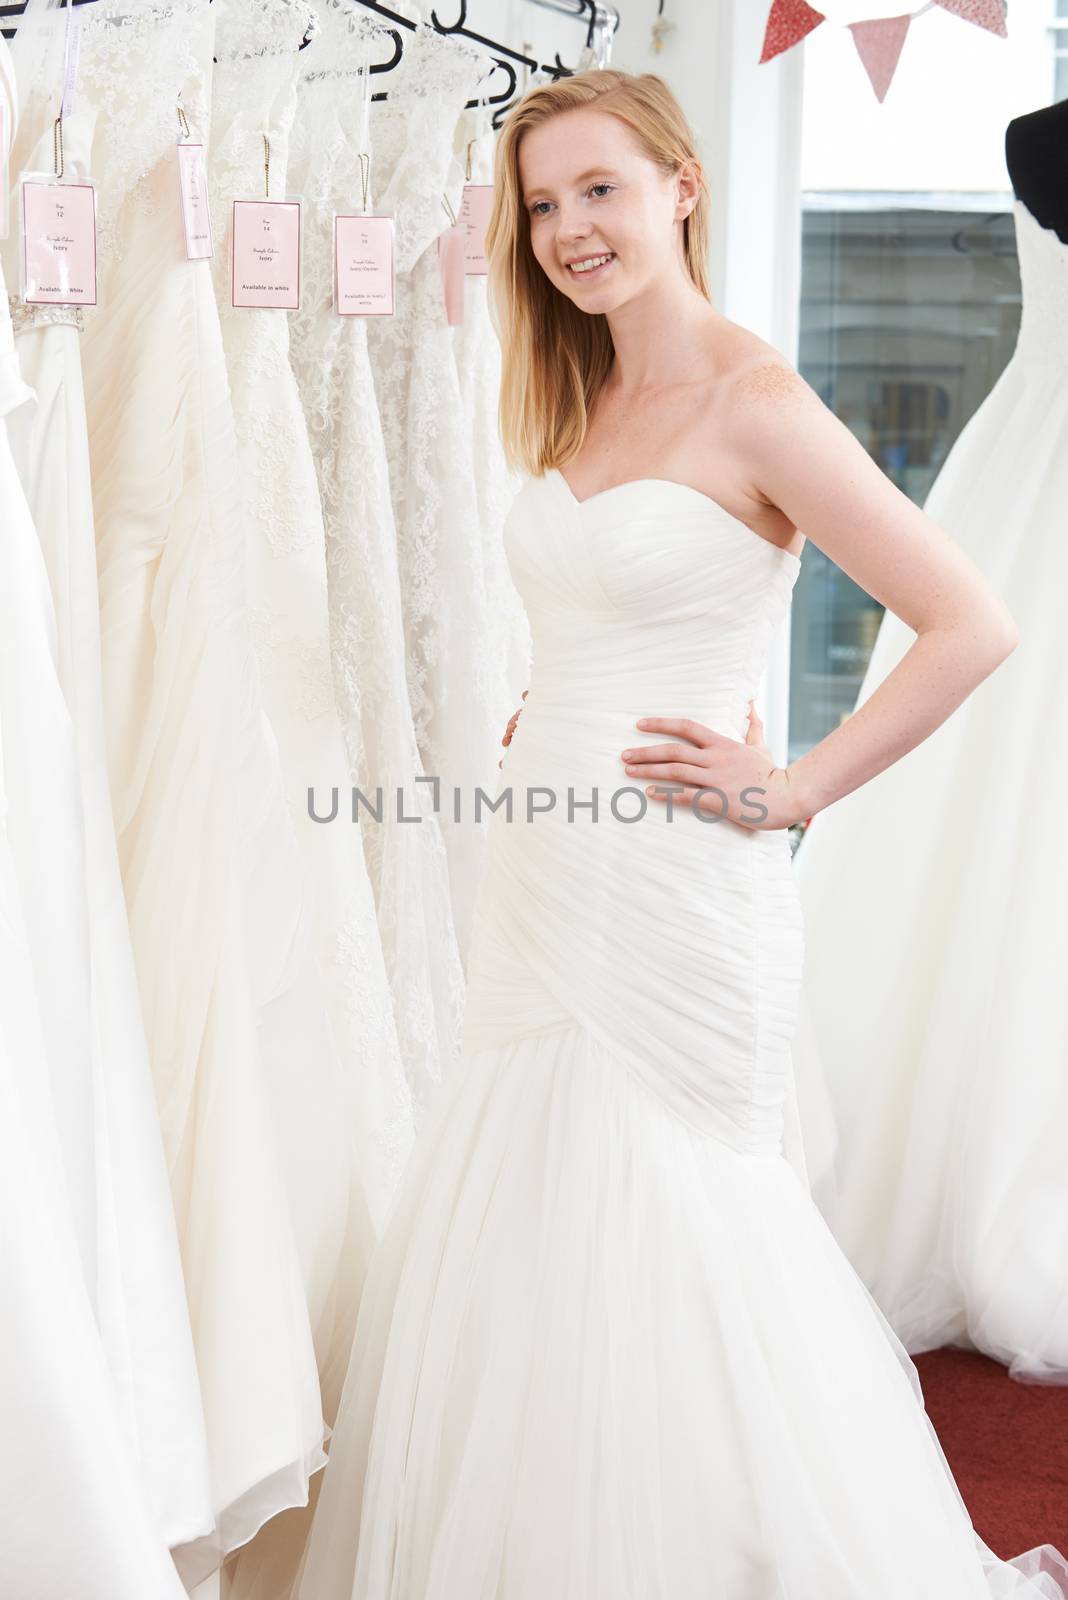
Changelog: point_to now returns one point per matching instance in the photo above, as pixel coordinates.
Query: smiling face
(605, 221)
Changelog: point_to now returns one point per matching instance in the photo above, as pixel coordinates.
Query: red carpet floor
(1007, 1444)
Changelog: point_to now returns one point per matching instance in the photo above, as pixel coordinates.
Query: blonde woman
(608, 1349)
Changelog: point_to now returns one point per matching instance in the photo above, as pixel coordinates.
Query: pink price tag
(58, 243)
(363, 266)
(196, 217)
(451, 262)
(475, 208)
(266, 255)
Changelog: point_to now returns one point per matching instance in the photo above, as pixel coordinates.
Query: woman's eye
(534, 208)
(604, 185)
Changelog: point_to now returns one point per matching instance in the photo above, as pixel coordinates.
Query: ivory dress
(67, 1453)
(343, 1115)
(213, 877)
(133, 1265)
(939, 1037)
(608, 1347)
(446, 590)
(406, 859)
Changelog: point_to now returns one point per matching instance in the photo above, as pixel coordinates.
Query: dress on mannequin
(608, 1347)
(941, 1035)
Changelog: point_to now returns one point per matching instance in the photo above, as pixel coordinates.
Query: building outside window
(910, 290)
(1059, 28)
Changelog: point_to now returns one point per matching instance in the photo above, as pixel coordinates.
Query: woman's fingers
(681, 727)
(512, 720)
(659, 752)
(670, 772)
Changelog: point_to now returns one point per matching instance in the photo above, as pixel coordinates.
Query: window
(910, 286)
(909, 313)
(1060, 52)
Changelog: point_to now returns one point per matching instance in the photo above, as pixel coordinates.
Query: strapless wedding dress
(608, 1348)
(943, 1173)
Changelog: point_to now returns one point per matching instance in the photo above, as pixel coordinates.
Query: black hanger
(505, 58)
(15, 8)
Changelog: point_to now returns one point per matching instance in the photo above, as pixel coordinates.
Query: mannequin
(1034, 152)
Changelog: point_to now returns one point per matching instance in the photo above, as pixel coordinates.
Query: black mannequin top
(1036, 152)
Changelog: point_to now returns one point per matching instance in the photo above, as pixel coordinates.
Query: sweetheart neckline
(673, 483)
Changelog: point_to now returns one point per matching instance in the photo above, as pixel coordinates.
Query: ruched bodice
(647, 599)
(608, 1348)
(648, 589)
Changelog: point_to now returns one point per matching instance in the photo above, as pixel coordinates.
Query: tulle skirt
(602, 1356)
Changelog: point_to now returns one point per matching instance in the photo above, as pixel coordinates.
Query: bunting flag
(879, 40)
(988, 14)
(879, 45)
(788, 23)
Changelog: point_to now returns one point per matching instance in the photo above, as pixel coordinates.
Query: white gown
(940, 1034)
(343, 1114)
(135, 1269)
(608, 1347)
(450, 630)
(406, 860)
(212, 874)
(506, 644)
(67, 1458)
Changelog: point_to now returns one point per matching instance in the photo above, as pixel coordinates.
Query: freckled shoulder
(768, 400)
(764, 382)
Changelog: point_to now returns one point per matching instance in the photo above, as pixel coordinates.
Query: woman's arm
(802, 459)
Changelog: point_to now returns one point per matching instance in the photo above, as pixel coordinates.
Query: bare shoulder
(765, 403)
(761, 379)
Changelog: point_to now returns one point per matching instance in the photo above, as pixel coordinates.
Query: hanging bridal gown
(406, 859)
(67, 1461)
(133, 1265)
(608, 1348)
(347, 1143)
(211, 871)
(942, 1033)
(345, 1116)
(450, 630)
(478, 363)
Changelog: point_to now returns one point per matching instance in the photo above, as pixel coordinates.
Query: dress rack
(601, 21)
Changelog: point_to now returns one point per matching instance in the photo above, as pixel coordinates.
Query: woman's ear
(687, 188)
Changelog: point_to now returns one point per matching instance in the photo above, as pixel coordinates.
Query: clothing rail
(513, 66)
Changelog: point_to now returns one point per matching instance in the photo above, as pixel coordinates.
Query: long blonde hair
(555, 357)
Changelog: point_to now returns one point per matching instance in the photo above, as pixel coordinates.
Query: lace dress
(944, 1176)
(406, 860)
(211, 870)
(127, 1215)
(452, 670)
(357, 1063)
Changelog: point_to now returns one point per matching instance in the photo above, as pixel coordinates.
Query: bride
(608, 1348)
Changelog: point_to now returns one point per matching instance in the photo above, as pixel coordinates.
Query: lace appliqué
(24, 317)
(406, 861)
